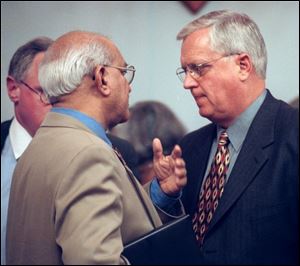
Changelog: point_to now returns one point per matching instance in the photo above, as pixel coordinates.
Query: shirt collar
(238, 130)
(19, 138)
(89, 122)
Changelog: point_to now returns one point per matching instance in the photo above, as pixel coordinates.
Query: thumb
(157, 149)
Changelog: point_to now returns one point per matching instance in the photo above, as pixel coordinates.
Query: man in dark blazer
(24, 91)
(256, 219)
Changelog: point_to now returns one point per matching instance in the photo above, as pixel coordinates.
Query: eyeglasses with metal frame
(197, 70)
(128, 71)
(39, 92)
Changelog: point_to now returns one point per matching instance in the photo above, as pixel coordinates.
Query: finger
(181, 178)
(157, 149)
(179, 163)
(180, 173)
(181, 182)
(176, 152)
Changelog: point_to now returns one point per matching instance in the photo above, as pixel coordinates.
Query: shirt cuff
(161, 199)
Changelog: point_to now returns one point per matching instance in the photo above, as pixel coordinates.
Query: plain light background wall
(145, 33)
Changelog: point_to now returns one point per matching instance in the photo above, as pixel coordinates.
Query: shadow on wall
(149, 120)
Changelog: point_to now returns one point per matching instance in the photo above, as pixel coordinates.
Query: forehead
(32, 71)
(196, 46)
(119, 59)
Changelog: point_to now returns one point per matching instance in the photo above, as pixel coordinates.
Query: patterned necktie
(212, 189)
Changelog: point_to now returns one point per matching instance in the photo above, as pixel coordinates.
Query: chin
(125, 117)
(203, 112)
(123, 121)
(120, 120)
(208, 115)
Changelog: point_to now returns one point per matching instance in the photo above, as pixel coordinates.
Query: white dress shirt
(15, 144)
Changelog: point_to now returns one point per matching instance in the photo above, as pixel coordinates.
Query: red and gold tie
(212, 189)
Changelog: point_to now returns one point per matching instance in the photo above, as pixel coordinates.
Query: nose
(189, 82)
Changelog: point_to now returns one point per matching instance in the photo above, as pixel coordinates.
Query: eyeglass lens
(129, 74)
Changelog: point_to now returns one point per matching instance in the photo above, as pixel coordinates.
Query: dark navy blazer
(257, 219)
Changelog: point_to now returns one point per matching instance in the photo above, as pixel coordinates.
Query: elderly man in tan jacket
(73, 199)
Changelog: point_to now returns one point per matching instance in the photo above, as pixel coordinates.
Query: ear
(13, 89)
(245, 66)
(100, 76)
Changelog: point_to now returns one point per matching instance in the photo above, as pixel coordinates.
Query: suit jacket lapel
(197, 155)
(251, 158)
(148, 206)
(4, 132)
(250, 161)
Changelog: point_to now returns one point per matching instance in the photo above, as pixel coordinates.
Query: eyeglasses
(39, 92)
(196, 70)
(128, 72)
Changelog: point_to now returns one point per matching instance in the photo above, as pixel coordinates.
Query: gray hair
(149, 120)
(61, 74)
(23, 57)
(232, 33)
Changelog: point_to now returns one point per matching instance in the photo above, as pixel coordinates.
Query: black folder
(171, 244)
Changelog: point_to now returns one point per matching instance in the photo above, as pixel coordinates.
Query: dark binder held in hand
(170, 244)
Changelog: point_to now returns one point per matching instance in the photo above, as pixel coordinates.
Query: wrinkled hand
(170, 170)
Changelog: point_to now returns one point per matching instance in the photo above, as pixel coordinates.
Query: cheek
(26, 105)
(35, 111)
(124, 92)
(220, 89)
(42, 111)
(121, 87)
(212, 88)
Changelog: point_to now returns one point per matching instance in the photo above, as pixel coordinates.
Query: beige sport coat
(72, 201)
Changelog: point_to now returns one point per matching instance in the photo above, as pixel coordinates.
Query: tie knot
(223, 140)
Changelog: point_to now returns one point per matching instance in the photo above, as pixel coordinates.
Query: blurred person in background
(149, 120)
(30, 108)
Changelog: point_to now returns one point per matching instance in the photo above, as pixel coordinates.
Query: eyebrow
(195, 64)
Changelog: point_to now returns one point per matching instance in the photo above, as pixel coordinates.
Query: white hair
(60, 75)
(232, 33)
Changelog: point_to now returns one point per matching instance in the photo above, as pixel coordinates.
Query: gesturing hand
(170, 170)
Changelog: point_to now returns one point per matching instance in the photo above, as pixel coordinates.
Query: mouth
(197, 93)
(198, 96)
(200, 100)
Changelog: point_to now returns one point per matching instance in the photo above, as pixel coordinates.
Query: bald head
(75, 41)
(71, 57)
